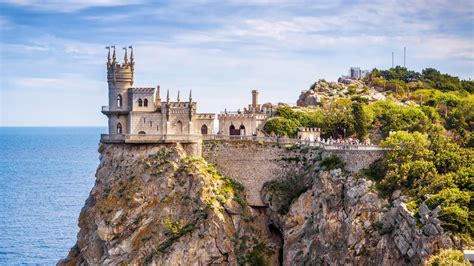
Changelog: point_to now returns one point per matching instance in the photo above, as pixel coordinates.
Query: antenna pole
(392, 59)
(404, 56)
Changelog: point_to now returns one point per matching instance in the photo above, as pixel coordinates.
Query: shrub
(331, 162)
(448, 257)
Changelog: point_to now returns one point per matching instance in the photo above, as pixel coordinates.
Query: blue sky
(52, 62)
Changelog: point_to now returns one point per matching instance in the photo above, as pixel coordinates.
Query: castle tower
(255, 100)
(119, 79)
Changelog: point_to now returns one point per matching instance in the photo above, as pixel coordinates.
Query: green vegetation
(448, 257)
(427, 121)
(421, 164)
(331, 162)
(251, 251)
(287, 190)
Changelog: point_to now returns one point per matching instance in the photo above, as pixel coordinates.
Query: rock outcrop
(155, 205)
(322, 89)
(341, 220)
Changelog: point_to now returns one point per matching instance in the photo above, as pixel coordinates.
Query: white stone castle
(138, 115)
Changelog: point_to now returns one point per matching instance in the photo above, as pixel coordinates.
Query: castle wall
(253, 164)
(250, 122)
(140, 121)
(204, 119)
(114, 120)
(356, 160)
(151, 104)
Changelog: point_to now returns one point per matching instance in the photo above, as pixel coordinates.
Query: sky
(52, 53)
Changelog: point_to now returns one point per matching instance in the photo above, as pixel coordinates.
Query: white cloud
(68, 6)
(64, 82)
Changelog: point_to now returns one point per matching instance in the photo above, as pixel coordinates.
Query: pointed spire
(178, 96)
(108, 55)
(190, 96)
(168, 96)
(114, 57)
(125, 57)
(132, 59)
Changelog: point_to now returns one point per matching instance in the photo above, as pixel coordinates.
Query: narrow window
(140, 102)
(119, 128)
(151, 124)
(145, 102)
(119, 100)
(144, 120)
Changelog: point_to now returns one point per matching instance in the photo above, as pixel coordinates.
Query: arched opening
(204, 130)
(119, 128)
(179, 127)
(145, 102)
(233, 131)
(141, 133)
(140, 103)
(277, 237)
(119, 100)
(242, 130)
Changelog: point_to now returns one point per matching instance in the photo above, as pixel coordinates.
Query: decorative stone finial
(125, 57)
(178, 97)
(190, 96)
(132, 59)
(114, 57)
(168, 96)
(108, 55)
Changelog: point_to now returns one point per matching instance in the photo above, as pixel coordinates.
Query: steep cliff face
(153, 204)
(341, 220)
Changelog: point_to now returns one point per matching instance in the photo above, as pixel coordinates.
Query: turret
(119, 78)
(157, 96)
(254, 100)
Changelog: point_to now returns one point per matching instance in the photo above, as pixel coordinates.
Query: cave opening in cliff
(277, 238)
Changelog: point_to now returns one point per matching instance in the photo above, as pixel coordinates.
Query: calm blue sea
(46, 175)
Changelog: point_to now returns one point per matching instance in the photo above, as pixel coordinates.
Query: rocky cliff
(322, 89)
(154, 204)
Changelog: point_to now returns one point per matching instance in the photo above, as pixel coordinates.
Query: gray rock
(396, 194)
(430, 230)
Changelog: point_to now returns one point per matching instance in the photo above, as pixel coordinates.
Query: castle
(138, 115)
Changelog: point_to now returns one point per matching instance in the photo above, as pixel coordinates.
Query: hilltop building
(248, 122)
(139, 114)
(356, 73)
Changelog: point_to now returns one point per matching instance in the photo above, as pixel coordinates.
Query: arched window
(204, 130)
(145, 102)
(119, 100)
(140, 102)
(233, 131)
(242, 130)
(179, 127)
(119, 128)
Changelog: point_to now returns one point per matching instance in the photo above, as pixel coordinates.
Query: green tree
(409, 162)
(361, 120)
(281, 126)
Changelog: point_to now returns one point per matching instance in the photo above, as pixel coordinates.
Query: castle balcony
(106, 111)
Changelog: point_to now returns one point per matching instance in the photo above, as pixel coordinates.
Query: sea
(46, 174)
